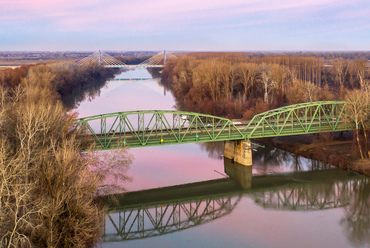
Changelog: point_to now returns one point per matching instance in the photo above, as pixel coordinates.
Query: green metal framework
(158, 127)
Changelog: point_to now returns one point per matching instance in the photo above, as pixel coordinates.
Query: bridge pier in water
(240, 151)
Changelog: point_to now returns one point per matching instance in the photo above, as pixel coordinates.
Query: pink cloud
(151, 15)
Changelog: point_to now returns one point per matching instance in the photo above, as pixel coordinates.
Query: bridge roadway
(104, 59)
(124, 66)
(153, 128)
(148, 213)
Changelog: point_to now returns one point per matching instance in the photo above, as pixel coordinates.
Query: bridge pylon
(164, 58)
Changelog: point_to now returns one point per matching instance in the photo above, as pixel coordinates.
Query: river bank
(328, 148)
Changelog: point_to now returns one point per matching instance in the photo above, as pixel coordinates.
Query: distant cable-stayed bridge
(104, 59)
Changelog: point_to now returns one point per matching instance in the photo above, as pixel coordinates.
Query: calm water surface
(182, 195)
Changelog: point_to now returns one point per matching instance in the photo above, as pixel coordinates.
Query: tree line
(236, 86)
(71, 83)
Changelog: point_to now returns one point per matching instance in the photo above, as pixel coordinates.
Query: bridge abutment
(239, 150)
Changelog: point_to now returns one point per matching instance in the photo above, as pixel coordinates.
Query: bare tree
(357, 116)
(340, 70)
(248, 72)
(266, 80)
(361, 71)
(47, 187)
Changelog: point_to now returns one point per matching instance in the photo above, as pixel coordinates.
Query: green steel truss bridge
(104, 59)
(158, 127)
(156, 212)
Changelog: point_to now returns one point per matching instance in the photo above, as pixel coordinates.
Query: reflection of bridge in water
(161, 211)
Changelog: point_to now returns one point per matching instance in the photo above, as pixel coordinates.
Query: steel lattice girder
(304, 118)
(156, 127)
(159, 127)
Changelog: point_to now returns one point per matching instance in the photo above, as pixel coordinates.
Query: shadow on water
(83, 93)
(156, 212)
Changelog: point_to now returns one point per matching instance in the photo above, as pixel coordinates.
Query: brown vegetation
(71, 82)
(216, 85)
(47, 187)
(239, 86)
(74, 83)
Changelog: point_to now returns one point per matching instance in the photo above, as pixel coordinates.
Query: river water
(189, 196)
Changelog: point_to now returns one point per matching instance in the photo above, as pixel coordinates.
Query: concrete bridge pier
(240, 151)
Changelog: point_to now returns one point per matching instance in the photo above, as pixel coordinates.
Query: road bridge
(104, 59)
(159, 127)
(5, 67)
(155, 212)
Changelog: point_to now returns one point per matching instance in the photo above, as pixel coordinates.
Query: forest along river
(290, 202)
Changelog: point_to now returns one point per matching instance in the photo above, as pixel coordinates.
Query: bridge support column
(239, 150)
(164, 58)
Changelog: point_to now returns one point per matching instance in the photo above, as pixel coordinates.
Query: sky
(185, 25)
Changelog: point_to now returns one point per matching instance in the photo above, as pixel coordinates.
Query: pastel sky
(200, 25)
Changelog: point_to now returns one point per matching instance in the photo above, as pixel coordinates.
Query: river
(183, 195)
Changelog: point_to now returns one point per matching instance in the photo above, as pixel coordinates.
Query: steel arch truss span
(156, 127)
(144, 221)
(304, 118)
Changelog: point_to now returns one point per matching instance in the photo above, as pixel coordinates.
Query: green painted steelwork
(159, 127)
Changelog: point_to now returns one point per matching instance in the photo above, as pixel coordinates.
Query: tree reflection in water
(215, 150)
(357, 214)
(80, 94)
